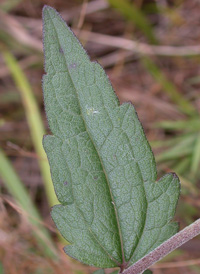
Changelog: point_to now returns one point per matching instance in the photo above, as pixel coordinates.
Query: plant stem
(165, 248)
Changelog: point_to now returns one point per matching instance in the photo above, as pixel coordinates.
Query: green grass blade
(170, 89)
(134, 14)
(182, 149)
(168, 142)
(9, 5)
(20, 194)
(34, 121)
(191, 125)
(182, 165)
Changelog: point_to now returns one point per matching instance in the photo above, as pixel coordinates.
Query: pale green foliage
(112, 211)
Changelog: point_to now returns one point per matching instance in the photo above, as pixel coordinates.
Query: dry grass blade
(16, 29)
(138, 47)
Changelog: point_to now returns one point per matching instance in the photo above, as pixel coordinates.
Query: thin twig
(91, 7)
(164, 249)
(82, 14)
(16, 29)
(138, 47)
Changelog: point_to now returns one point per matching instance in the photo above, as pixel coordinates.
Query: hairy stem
(165, 248)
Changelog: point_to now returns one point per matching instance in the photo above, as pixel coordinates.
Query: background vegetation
(151, 52)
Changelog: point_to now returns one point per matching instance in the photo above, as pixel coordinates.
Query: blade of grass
(169, 142)
(19, 192)
(135, 15)
(34, 121)
(188, 186)
(9, 5)
(182, 149)
(170, 89)
(171, 154)
(192, 125)
(181, 166)
(195, 163)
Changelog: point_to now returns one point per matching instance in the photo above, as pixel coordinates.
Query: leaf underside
(112, 211)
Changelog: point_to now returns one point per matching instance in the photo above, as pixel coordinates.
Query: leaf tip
(47, 13)
(46, 10)
(176, 179)
(174, 175)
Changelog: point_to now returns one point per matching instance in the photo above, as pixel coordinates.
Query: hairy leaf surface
(112, 211)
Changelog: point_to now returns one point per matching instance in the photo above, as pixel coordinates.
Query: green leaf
(112, 210)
